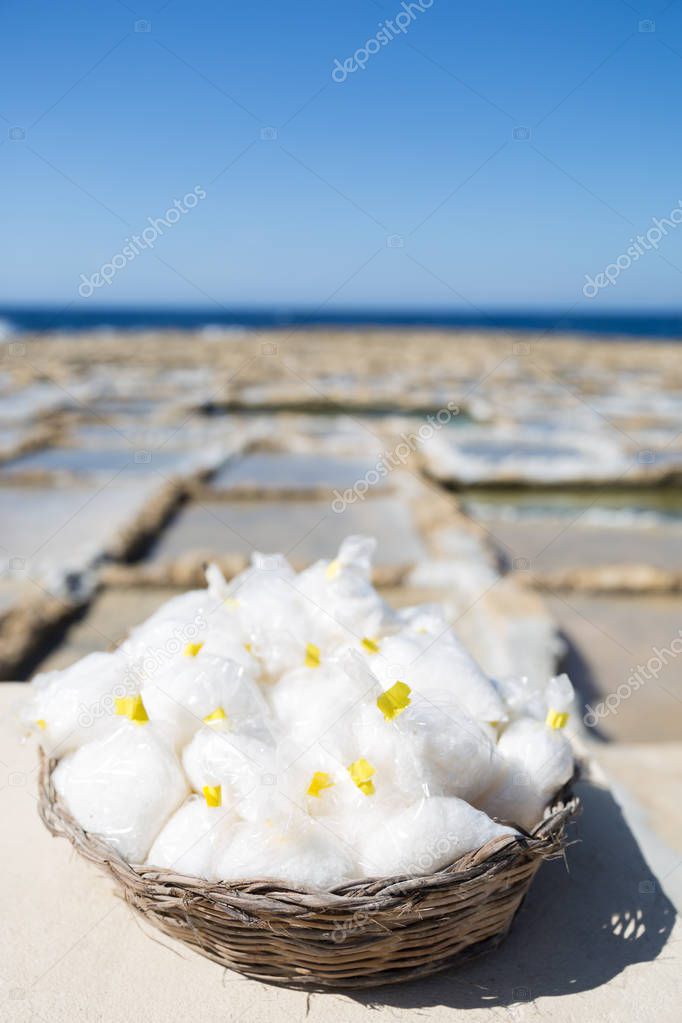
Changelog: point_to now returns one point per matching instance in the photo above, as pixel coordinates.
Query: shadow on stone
(582, 677)
(578, 929)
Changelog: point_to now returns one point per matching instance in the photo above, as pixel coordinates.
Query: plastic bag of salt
(187, 842)
(342, 602)
(534, 760)
(296, 850)
(270, 613)
(428, 657)
(198, 685)
(426, 837)
(420, 745)
(70, 707)
(125, 785)
(243, 763)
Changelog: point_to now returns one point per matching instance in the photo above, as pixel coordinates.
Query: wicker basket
(362, 934)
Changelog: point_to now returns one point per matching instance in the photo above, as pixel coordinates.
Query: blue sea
(18, 320)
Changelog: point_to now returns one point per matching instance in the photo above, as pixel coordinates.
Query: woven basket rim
(545, 841)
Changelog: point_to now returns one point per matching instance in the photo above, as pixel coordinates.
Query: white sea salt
(195, 686)
(187, 842)
(270, 614)
(534, 760)
(298, 851)
(70, 707)
(242, 763)
(342, 603)
(430, 659)
(425, 837)
(123, 787)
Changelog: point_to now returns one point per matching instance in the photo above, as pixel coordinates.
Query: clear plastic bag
(243, 763)
(222, 641)
(521, 699)
(524, 699)
(123, 787)
(455, 752)
(163, 637)
(425, 837)
(534, 760)
(183, 695)
(343, 794)
(271, 614)
(308, 701)
(434, 663)
(418, 746)
(186, 843)
(298, 851)
(342, 603)
(74, 706)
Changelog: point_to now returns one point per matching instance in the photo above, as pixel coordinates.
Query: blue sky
(489, 156)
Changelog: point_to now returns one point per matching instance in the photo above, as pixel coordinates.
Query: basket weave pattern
(362, 934)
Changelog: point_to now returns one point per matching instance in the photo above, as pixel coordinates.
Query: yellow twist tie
(332, 569)
(556, 719)
(231, 603)
(361, 772)
(192, 649)
(320, 781)
(42, 724)
(216, 715)
(370, 645)
(213, 795)
(247, 647)
(394, 700)
(312, 656)
(132, 707)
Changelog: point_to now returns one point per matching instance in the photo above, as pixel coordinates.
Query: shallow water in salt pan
(49, 531)
(291, 471)
(32, 402)
(303, 530)
(613, 507)
(91, 462)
